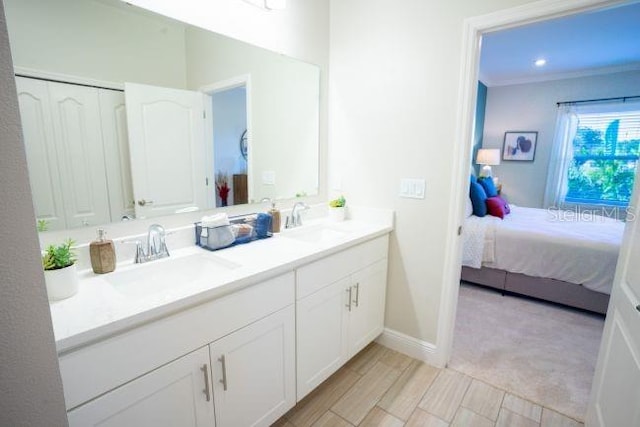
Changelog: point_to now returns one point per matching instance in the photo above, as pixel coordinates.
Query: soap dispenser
(275, 218)
(103, 254)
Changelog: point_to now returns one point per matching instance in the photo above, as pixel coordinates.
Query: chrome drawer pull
(207, 391)
(224, 372)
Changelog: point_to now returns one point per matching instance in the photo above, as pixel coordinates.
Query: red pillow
(497, 206)
(507, 209)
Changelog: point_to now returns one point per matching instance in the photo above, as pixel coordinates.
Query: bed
(557, 256)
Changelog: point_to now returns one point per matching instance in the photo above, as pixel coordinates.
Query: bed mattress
(581, 249)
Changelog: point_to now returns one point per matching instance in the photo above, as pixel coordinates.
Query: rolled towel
(212, 221)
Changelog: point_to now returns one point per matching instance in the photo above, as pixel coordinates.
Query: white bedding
(550, 244)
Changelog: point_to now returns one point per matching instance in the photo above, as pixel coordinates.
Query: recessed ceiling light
(540, 62)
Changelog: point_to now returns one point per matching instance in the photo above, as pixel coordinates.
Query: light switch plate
(412, 188)
(269, 178)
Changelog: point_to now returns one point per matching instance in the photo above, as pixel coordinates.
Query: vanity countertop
(101, 308)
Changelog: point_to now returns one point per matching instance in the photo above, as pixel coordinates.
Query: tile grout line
(337, 415)
(514, 393)
(337, 399)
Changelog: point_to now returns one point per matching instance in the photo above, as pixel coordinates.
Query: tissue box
(214, 238)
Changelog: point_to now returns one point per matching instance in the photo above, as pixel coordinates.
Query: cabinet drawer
(314, 276)
(93, 370)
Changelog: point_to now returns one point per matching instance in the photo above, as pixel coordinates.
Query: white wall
(97, 40)
(533, 107)
(283, 109)
(30, 383)
(229, 122)
(395, 72)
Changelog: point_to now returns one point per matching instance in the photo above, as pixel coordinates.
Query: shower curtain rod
(619, 98)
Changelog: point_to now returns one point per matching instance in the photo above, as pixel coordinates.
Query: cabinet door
(369, 288)
(42, 158)
(321, 321)
(254, 372)
(173, 395)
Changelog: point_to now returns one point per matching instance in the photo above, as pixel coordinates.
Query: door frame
(473, 29)
(209, 90)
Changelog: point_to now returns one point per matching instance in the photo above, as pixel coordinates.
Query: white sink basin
(315, 234)
(166, 274)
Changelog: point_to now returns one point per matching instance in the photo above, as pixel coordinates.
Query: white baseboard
(412, 347)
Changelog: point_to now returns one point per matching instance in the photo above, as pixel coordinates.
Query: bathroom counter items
(133, 295)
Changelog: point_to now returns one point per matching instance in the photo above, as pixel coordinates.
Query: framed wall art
(519, 146)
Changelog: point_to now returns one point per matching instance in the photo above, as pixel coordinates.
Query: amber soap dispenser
(103, 254)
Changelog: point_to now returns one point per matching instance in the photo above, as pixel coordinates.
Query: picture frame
(520, 146)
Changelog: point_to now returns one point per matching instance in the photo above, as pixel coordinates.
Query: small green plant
(338, 203)
(42, 225)
(57, 257)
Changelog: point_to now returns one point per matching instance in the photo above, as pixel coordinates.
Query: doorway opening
(228, 161)
(485, 27)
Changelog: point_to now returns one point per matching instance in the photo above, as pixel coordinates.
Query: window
(605, 157)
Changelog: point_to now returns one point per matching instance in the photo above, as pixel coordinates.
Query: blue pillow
(478, 198)
(489, 186)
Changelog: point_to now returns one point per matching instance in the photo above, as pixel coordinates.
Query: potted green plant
(60, 273)
(337, 209)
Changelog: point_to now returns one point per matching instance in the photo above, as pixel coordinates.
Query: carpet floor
(538, 351)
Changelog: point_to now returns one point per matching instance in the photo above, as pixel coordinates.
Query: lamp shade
(488, 156)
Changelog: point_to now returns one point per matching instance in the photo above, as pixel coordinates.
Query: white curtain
(561, 156)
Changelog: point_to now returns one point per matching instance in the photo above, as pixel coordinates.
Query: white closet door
(76, 122)
(39, 141)
(166, 138)
(116, 151)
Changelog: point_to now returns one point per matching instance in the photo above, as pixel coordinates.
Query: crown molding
(489, 82)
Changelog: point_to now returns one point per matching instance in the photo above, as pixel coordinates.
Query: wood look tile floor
(381, 387)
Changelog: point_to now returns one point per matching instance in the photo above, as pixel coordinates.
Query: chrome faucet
(156, 245)
(294, 220)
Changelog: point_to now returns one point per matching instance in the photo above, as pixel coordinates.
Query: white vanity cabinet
(340, 309)
(243, 358)
(234, 356)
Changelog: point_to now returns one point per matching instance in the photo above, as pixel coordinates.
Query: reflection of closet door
(37, 129)
(116, 153)
(76, 122)
(166, 138)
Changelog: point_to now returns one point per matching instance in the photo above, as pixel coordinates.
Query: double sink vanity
(233, 337)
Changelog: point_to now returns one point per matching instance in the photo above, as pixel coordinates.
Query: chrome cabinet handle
(207, 391)
(349, 292)
(357, 300)
(638, 307)
(143, 202)
(223, 361)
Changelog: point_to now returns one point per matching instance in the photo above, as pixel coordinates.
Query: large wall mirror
(127, 114)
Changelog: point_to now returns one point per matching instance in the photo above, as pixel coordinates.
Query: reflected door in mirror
(166, 139)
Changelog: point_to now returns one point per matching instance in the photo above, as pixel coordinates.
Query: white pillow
(468, 208)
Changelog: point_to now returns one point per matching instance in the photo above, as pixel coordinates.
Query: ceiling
(589, 43)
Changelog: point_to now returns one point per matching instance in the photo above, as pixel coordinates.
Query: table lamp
(487, 157)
